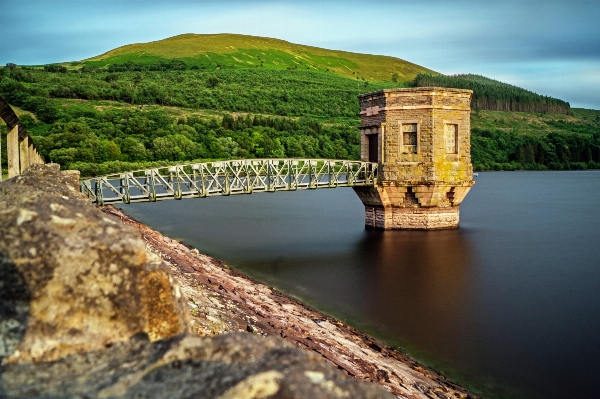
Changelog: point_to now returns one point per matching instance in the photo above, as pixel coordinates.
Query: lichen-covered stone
(231, 366)
(74, 279)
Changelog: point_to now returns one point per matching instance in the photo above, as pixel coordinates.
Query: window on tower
(451, 138)
(409, 138)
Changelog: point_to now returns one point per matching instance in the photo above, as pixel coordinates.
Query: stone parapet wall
(417, 97)
(83, 280)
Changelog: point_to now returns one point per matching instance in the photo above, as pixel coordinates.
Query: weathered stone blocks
(411, 218)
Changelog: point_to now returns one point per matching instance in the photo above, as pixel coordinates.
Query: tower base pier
(389, 218)
(414, 206)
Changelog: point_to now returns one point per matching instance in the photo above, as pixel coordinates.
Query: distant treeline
(128, 66)
(501, 150)
(492, 95)
(313, 115)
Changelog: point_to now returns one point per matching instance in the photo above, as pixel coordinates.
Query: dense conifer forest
(489, 94)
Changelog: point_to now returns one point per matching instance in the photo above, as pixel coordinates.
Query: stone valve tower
(421, 139)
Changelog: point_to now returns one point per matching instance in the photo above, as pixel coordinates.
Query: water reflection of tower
(422, 288)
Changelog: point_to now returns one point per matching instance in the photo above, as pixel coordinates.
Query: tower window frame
(451, 137)
(409, 136)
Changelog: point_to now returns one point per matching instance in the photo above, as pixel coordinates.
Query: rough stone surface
(74, 279)
(411, 218)
(231, 366)
(87, 311)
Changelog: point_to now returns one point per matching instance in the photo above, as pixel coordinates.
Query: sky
(551, 47)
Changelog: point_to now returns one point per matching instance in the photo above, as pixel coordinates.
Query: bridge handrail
(240, 176)
(232, 161)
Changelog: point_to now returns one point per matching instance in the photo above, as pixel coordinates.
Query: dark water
(508, 304)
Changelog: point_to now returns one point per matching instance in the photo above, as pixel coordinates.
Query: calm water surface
(508, 304)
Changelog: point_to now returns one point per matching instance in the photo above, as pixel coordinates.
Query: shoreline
(224, 300)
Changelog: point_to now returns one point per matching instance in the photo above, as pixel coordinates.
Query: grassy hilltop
(246, 52)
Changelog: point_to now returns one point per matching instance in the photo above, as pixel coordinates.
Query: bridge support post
(31, 153)
(24, 153)
(421, 139)
(12, 151)
(20, 149)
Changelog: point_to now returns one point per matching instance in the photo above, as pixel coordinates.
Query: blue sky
(551, 47)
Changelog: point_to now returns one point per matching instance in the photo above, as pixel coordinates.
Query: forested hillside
(275, 114)
(118, 118)
(490, 94)
(535, 141)
(286, 93)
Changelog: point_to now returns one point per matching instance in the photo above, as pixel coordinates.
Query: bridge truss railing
(198, 180)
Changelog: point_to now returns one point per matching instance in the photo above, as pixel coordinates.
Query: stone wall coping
(413, 90)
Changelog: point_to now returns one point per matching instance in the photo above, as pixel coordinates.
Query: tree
(55, 68)
(174, 147)
(212, 82)
(293, 148)
(133, 150)
(112, 151)
(63, 156)
(27, 120)
(228, 147)
(228, 122)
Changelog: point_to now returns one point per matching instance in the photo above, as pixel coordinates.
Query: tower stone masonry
(421, 139)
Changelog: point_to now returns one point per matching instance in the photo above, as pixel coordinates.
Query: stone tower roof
(417, 90)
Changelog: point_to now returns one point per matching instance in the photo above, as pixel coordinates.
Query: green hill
(220, 51)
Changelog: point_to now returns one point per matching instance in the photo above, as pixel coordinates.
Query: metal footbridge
(199, 180)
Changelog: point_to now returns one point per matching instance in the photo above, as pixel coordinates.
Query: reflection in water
(420, 280)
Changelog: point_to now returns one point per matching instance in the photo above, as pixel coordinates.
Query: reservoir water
(508, 304)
